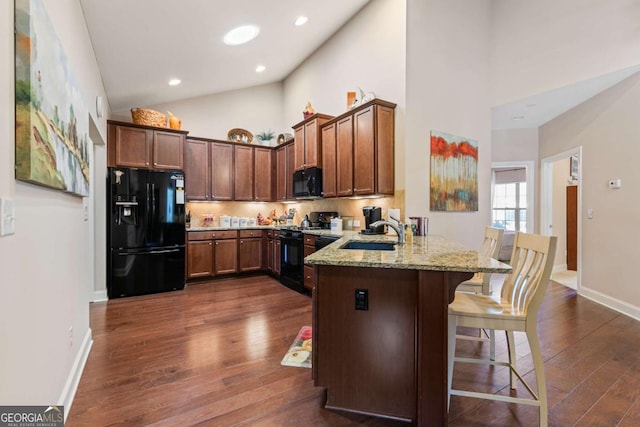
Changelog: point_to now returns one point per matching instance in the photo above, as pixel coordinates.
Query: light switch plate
(7, 217)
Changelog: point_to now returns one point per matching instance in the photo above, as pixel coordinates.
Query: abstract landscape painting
(52, 125)
(454, 173)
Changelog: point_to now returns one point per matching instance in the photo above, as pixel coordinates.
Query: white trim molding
(71, 385)
(612, 303)
(99, 296)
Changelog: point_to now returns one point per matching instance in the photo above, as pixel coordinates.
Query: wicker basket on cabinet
(144, 116)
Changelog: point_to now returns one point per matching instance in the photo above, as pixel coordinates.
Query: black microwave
(307, 183)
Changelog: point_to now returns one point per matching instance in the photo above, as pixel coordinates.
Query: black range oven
(292, 259)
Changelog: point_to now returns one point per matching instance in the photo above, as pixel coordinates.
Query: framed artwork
(52, 119)
(454, 173)
(573, 167)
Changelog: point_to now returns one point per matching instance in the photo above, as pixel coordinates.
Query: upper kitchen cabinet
(208, 169)
(329, 160)
(284, 171)
(196, 169)
(264, 174)
(307, 141)
(221, 171)
(364, 150)
(253, 170)
(145, 147)
(244, 172)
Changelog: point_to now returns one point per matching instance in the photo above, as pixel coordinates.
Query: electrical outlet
(70, 336)
(356, 223)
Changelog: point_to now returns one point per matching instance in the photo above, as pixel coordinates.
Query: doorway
(561, 202)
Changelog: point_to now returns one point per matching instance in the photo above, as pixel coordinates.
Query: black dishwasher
(324, 240)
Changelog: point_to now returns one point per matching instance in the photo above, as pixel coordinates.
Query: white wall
(448, 91)
(607, 128)
(367, 53)
(256, 109)
(546, 44)
(46, 267)
(514, 144)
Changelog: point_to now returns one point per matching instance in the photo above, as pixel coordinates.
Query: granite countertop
(423, 253)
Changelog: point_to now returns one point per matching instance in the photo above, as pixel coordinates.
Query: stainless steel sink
(369, 246)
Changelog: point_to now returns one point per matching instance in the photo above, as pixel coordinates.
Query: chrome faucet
(399, 227)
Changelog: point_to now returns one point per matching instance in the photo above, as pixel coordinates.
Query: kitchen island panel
(366, 358)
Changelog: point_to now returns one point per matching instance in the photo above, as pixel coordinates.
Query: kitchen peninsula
(380, 324)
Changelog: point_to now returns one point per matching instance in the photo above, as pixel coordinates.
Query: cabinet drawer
(309, 240)
(246, 234)
(225, 234)
(308, 277)
(199, 235)
(308, 250)
(213, 234)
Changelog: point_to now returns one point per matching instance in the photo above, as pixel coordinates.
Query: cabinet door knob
(241, 242)
(209, 243)
(217, 243)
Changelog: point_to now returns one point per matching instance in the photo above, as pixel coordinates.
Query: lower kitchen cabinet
(250, 250)
(309, 248)
(200, 259)
(211, 253)
(272, 252)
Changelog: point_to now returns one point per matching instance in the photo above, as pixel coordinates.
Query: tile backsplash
(345, 207)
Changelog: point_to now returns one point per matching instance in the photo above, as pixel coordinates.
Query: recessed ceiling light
(260, 68)
(517, 117)
(241, 35)
(174, 82)
(301, 20)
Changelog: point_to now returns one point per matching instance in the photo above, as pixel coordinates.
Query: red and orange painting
(454, 173)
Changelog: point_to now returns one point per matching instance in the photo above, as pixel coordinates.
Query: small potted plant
(266, 137)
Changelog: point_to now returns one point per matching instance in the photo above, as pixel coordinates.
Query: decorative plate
(240, 135)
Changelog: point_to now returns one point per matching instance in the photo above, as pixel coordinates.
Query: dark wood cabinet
(136, 146)
(272, 252)
(290, 168)
(281, 173)
(250, 250)
(364, 151)
(309, 247)
(221, 171)
(307, 141)
(263, 174)
(226, 256)
(276, 254)
(329, 160)
(243, 172)
(196, 169)
(284, 167)
(208, 170)
(344, 156)
(168, 150)
(211, 253)
(373, 149)
(199, 259)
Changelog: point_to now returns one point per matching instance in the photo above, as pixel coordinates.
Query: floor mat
(299, 354)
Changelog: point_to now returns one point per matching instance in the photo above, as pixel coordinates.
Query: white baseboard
(559, 268)
(612, 303)
(71, 386)
(99, 296)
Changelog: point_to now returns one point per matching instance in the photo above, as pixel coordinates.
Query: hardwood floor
(210, 355)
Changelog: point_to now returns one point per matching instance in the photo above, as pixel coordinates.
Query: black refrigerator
(145, 232)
